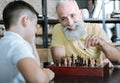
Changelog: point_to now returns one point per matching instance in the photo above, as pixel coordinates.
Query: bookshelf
(44, 35)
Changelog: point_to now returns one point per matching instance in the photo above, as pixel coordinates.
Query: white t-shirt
(13, 48)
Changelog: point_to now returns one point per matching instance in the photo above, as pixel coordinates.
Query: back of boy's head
(14, 10)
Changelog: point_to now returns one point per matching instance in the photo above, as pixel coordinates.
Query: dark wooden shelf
(1, 21)
(1, 36)
(40, 35)
(50, 21)
(41, 45)
(55, 21)
(40, 21)
(111, 20)
(91, 20)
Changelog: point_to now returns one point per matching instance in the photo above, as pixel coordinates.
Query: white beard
(76, 34)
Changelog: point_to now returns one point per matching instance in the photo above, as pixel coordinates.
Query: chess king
(73, 36)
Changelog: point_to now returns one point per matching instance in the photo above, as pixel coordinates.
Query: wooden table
(113, 77)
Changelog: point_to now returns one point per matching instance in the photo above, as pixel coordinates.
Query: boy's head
(14, 10)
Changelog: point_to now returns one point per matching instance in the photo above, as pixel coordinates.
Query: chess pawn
(76, 62)
(101, 61)
(56, 63)
(95, 62)
(86, 61)
(62, 62)
(69, 61)
(89, 62)
(81, 62)
(65, 61)
(72, 60)
(59, 64)
(92, 62)
(72, 57)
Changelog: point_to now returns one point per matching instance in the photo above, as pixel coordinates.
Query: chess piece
(65, 61)
(92, 62)
(69, 61)
(56, 62)
(95, 62)
(101, 61)
(76, 62)
(81, 62)
(89, 62)
(72, 60)
(84, 61)
(59, 64)
(62, 62)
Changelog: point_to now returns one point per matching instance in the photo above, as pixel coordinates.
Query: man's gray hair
(62, 2)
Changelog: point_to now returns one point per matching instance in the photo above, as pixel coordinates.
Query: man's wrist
(103, 44)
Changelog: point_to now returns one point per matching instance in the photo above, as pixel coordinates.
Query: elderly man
(19, 62)
(73, 36)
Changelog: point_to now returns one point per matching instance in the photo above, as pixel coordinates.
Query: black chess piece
(56, 63)
(81, 62)
(85, 63)
(67, 62)
(95, 63)
(78, 59)
(89, 62)
(62, 62)
(46, 64)
(76, 62)
(72, 60)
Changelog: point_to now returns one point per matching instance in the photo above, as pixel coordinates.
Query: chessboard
(80, 67)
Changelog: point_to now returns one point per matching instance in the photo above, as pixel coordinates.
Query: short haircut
(14, 10)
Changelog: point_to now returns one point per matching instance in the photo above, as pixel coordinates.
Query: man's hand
(93, 40)
(108, 61)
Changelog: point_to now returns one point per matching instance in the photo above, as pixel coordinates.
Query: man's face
(68, 13)
(71, 20)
